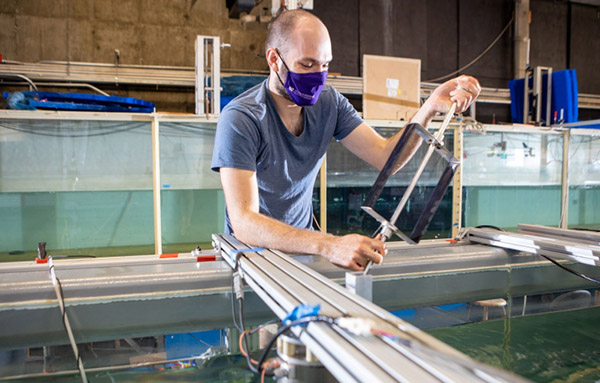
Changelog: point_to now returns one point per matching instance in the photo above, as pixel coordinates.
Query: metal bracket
(208, 74)
(535, 116)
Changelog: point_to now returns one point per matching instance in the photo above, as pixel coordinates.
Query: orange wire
(242, 346)
(316, 222)
(262, 375)
(265, 365)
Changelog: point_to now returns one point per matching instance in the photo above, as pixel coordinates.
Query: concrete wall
(146, 32)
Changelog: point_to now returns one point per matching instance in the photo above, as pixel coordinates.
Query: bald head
(297, 42)
(284, 29)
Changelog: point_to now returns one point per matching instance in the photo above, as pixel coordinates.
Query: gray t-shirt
(251, 136)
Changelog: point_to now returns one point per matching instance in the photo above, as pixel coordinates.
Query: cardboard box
(391, 87)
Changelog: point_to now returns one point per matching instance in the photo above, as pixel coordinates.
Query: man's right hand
(353, 251)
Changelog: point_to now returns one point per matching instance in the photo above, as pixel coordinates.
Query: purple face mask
(304, 88)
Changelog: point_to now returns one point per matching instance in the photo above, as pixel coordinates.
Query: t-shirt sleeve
(348, 118)
(236, 141)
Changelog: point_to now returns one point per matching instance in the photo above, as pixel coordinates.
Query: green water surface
(555, 347)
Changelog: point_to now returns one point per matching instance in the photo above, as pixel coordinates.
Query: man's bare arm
(250, 226)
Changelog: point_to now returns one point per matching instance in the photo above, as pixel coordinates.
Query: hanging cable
(580, 275)
(316, 318)
(65, 319)
(486, 50)
(249, 361)
(233, 310)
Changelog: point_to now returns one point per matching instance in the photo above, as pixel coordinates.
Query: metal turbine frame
(435, 143)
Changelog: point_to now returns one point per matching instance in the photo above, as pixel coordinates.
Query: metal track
(283, 283)
(561, 247)
(116, 297)
(582, 236)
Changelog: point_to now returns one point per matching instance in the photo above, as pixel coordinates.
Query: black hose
(317, 318)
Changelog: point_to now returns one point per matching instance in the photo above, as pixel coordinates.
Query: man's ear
(272, 59)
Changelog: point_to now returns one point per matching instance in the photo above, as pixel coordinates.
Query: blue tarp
(33, 100)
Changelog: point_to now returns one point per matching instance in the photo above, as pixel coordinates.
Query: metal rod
(457, 183)
(564, 209)
(60, 85)
(31, 84)
(440, 137)
(578, 124)
(323, 195)
(156, 185)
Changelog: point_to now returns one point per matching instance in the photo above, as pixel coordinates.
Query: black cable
(62, 298)
(580, 275)
(476, 59)
(241, 327)
(233, 311)
(316, 318)
(489, 227)
(260, 326)
(572, 271)
(64, 314)
(245, 341)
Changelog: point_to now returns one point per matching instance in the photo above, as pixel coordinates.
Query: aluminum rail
(283, 283)
(184, 77)
(117, 297)
(560, 248)
(584, 236)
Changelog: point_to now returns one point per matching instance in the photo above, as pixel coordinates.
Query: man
(270, 143)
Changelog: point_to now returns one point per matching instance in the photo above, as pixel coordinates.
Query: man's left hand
(462, 90)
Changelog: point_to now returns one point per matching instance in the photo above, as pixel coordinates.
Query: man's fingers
(462, 98)
(467, 90)
(469, 84)
(373, 251)
(375, 257)
(354, 251)
(354, 266)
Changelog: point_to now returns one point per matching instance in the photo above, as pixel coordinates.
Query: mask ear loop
(284, 64)
(279, 54)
